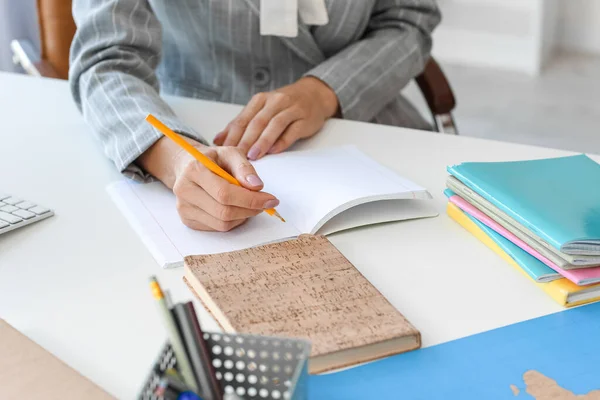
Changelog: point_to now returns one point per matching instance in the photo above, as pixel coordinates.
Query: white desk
(77, 282)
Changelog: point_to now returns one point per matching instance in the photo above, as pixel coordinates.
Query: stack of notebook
(541, 216)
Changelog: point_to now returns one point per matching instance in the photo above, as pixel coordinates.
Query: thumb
(235, 162)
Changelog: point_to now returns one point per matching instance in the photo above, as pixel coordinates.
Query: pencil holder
(247, 367)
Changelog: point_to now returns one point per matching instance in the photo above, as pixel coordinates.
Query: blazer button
(262, 76)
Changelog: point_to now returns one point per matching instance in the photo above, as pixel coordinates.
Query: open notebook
(321, 191)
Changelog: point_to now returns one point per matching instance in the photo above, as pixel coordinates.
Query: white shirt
(280, 17)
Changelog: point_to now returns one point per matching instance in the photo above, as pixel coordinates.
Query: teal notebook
(536, 269)
(558, 199)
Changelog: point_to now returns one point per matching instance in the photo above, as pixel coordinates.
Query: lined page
(312, 184)
(152, 212)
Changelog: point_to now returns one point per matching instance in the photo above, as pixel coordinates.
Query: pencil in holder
(247, 367)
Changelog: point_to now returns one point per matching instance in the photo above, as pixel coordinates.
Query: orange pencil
(207, 162)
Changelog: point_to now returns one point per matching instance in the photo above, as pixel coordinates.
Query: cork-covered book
(302, 288)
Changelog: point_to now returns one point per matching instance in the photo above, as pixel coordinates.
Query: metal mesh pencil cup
(247, 367)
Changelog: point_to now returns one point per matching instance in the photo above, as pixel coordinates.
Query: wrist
(162, 159)
(326, 96)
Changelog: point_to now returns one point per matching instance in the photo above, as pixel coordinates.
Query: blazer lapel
(303, 45)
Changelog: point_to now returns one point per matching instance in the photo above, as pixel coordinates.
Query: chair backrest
(57, 29)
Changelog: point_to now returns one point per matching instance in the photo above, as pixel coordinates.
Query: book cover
(302, 288)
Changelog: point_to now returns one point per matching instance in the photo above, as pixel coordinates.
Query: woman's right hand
(206, 201)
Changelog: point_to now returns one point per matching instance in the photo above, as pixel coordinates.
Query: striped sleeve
(114, 55)
(370, 73)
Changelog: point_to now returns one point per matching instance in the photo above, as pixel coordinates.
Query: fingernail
(254, 180)
(253, 153)
(271, 203)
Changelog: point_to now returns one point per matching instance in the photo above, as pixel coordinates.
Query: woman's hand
(271, 122)
(206, 201)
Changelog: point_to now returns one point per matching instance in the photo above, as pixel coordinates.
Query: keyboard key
(39, 210)
(8, 208)
(3, 196)
(3, 225)
(23, 214)
(12, 201)
(25, 205)
(12, 219)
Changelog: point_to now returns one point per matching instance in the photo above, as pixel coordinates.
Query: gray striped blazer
(126, 51)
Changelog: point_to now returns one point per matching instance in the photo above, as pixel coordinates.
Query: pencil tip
(279, 216)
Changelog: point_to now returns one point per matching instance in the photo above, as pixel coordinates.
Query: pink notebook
(581, 277)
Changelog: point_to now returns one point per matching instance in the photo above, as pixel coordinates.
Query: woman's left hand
(272, 121)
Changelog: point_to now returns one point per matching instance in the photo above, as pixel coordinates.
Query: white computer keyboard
(16, 212)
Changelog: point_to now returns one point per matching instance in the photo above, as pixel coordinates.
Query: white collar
(280, 17)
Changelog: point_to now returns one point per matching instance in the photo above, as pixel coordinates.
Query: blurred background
(525, 71)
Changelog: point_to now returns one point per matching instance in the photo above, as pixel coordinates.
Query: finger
(276, 127)
(228, 194)
(237, 127)
(235, 162)
(297, 130)
(198, 219)
(276, 104)
(195, 196)
(220, 137)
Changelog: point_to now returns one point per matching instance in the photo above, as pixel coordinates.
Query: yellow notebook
(563, 291)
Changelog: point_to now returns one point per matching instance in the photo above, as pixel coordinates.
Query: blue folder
(557, 198)
(562, 347)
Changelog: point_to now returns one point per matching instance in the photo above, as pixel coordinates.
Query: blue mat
(564, 347)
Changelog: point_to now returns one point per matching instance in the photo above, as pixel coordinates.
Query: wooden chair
(57, 29)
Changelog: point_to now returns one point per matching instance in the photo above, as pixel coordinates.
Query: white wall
(579, 25)
(509, 34)
(515, 34)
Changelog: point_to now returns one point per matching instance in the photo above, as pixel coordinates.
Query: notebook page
(312, 184)
(378, 212)
(151, 207)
